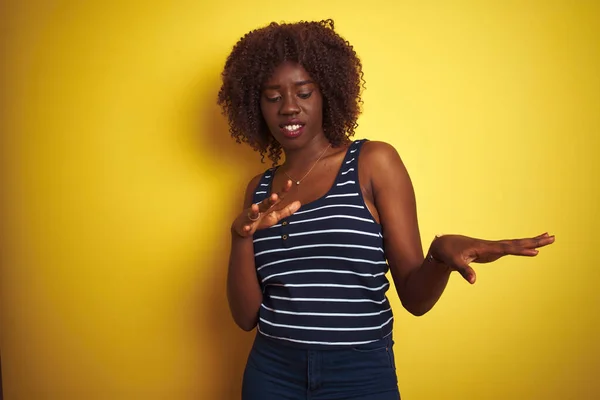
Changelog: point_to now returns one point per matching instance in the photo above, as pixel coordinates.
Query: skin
(388, 193)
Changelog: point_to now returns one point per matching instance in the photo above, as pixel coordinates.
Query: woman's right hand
(264, 214)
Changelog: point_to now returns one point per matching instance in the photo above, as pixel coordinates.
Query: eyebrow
(299, 83)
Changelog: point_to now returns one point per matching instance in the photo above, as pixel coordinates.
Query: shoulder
(379, 154)
(383, 168)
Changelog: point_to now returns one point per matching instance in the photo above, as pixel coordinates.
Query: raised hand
(457, 251)
(265, 214)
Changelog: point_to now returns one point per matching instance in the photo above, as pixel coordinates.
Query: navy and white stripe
(323, 270)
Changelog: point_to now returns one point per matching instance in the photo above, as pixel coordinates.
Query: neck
(299, 159)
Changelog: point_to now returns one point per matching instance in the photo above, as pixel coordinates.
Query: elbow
(246, 326)
(244, 311)
(418, 310)
(245, 323)
(416, 305)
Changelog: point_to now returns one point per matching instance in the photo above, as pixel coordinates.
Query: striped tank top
(323, 270)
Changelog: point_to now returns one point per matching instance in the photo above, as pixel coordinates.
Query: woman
(316, 236)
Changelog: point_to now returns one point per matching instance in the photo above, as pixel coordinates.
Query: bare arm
(243, 289)
(421, 281)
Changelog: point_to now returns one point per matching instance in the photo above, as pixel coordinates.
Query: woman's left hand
(457, 251)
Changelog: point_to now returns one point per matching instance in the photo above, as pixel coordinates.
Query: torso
(323, 269)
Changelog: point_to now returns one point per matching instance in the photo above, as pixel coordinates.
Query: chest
(321, 180)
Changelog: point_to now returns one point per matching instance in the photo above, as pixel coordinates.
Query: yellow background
(120, 183)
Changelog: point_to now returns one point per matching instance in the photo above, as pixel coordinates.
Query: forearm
(243, 289)
(423, 287)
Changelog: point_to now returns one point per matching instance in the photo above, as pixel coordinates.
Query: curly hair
(329, 59)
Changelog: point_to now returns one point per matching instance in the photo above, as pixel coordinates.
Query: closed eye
(273, 99)
(304, 95)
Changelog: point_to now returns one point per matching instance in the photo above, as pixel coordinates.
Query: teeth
(292, 128)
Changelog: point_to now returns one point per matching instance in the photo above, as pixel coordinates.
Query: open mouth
(292, 130)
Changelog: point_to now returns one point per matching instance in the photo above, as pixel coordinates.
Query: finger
(519, 245)
(516, 247)
(288, 210)
(467, 272)
(286, 187)
(543, 240)
(269, 202)
(546, 240)
(254, 213)
(519, 251)
(275, 198)
(529, 252)
(252, 216)
(284, 190)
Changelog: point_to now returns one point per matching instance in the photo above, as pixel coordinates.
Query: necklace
(311, 168)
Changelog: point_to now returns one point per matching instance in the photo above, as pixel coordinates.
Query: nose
(289, 106)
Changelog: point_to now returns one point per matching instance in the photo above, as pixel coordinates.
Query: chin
(295, 140)
(291, 142)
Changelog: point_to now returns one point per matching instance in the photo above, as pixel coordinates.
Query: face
(292, 106)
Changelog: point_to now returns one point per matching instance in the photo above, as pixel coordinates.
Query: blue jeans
(276, 371)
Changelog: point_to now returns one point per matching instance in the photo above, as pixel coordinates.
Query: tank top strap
(346, 184)
(349, 169)
(263, 189)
